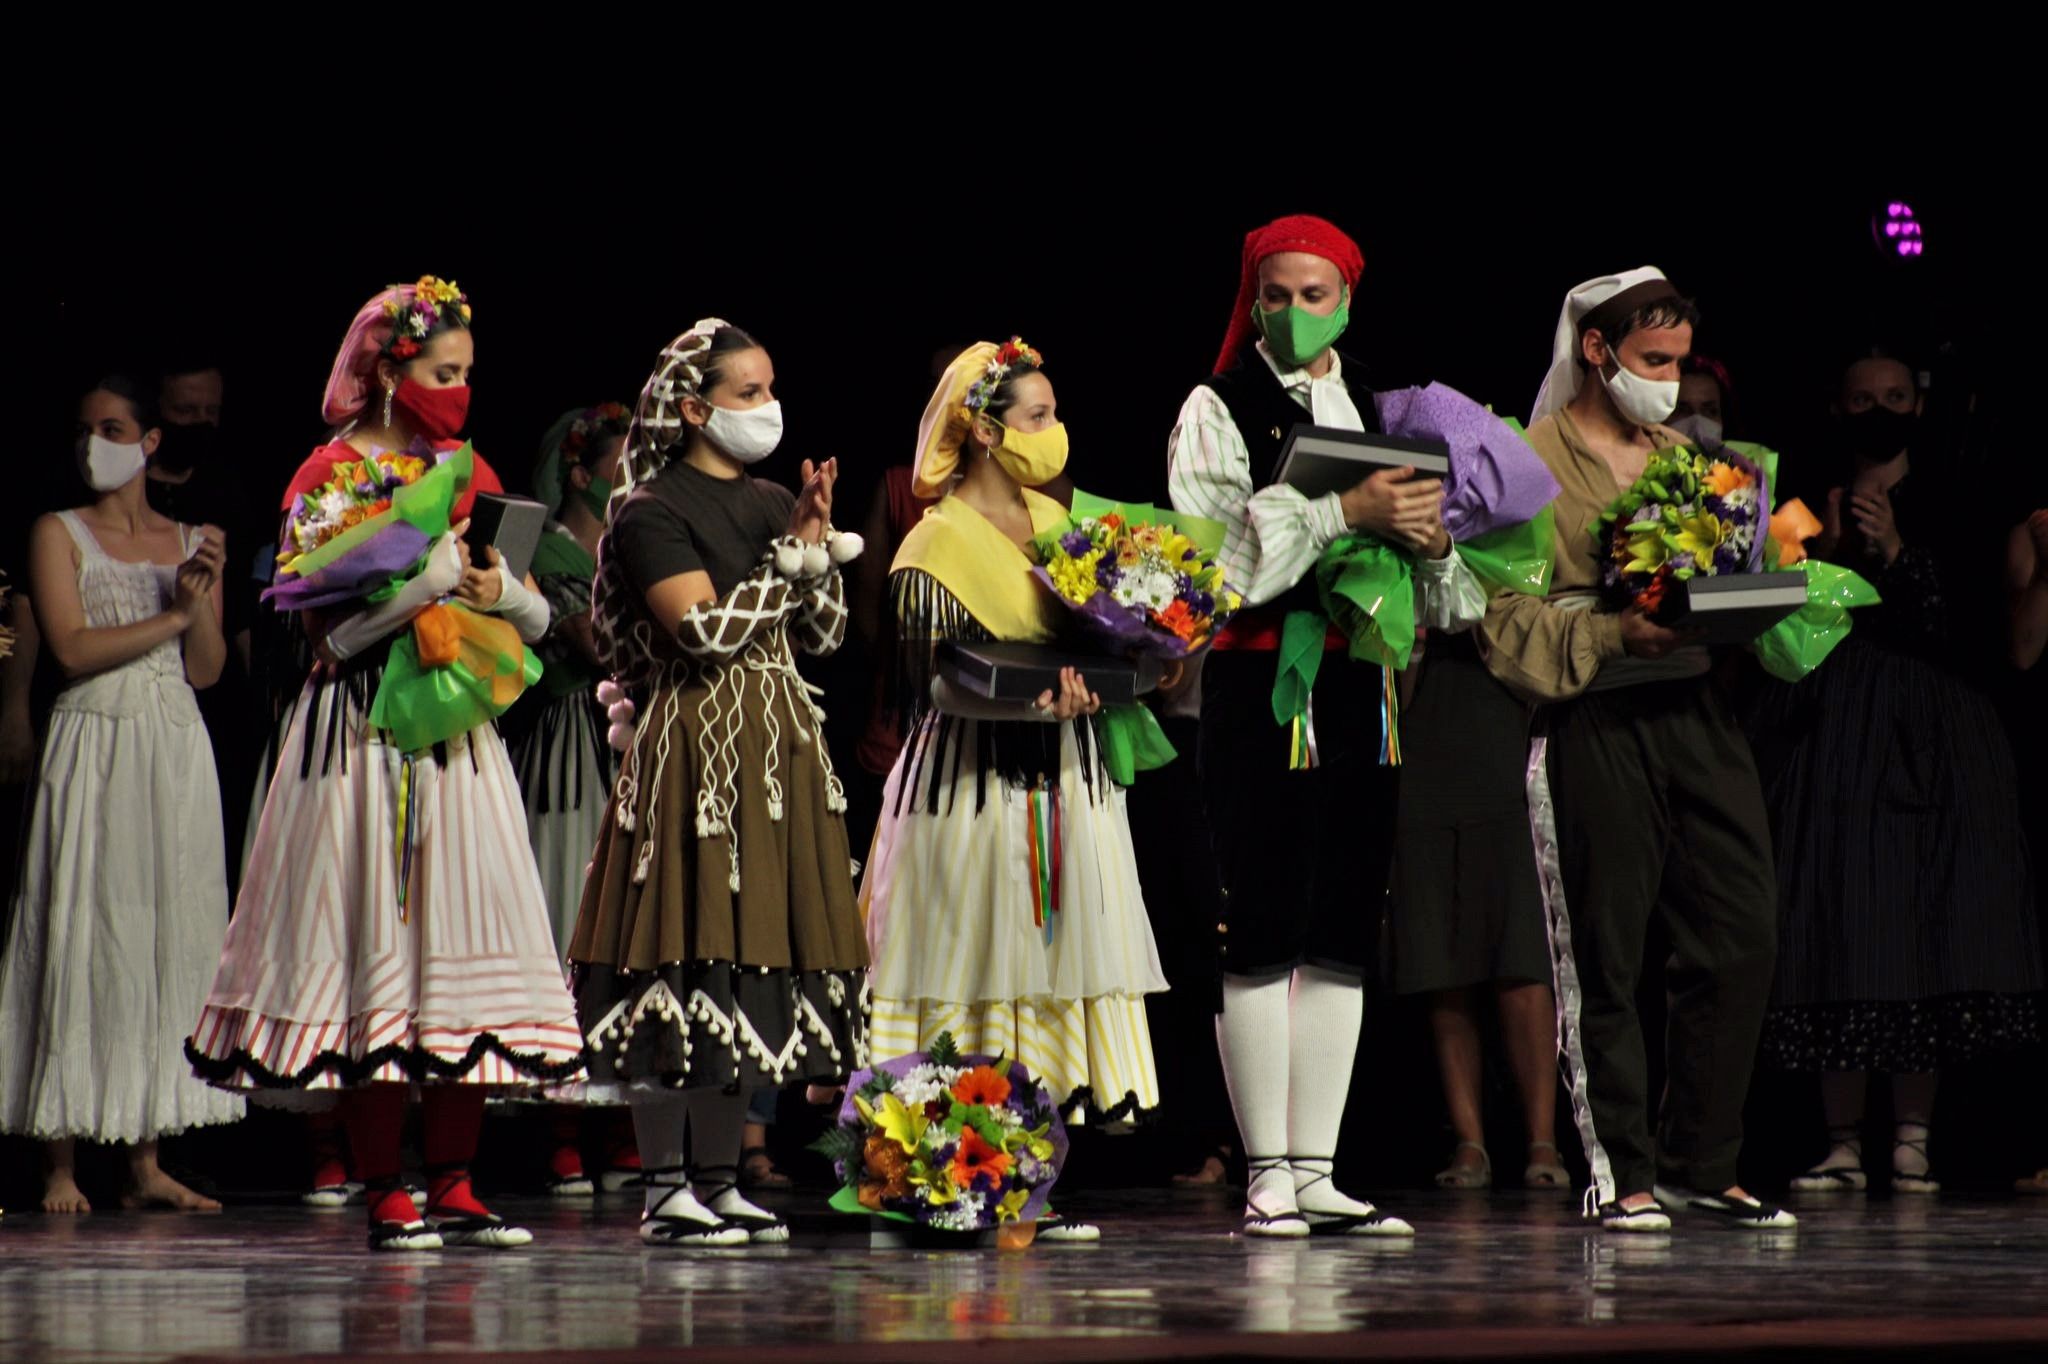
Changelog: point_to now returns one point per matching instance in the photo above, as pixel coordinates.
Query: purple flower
(1076, 543)
(1107, 573)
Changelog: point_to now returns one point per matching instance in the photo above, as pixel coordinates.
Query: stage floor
(1499, 1275)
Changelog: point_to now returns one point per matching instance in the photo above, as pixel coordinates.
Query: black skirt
(1301, 856)
(1466, 908)
(1907, 936)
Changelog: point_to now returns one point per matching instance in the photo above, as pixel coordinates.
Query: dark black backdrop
(853, 279)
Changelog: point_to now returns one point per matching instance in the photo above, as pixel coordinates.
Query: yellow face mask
(1033, 458)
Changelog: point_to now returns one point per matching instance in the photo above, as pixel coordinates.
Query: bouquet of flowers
(363, 533)
(360, 537)
(951, 1142)
(1697, 515)
(1689, 515)
(1139, 580)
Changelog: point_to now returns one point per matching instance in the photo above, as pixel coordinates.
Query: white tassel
(775, 810)
(608, 692)
(620, 711)
(789, 559)
(845, 546)
(620, 737)
(816, 561)
(646, 859)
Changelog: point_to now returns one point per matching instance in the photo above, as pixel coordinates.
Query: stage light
(1896, 230)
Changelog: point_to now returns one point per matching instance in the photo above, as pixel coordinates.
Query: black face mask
(185, 448)
(1877, 434)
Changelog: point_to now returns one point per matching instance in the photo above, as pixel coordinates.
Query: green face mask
(1297, 336)
(596, 496)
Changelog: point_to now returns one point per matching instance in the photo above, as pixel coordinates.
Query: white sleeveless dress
(123, 900)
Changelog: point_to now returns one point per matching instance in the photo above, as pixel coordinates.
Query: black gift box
(510, 525)
(1735, 608)
(1022, 672)
(1327, 459)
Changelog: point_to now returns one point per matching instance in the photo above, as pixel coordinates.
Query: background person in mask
(1642, 792)
(1907, 939)
(1705, 413)
(951, 924)
(556, 732)
(721, 873)
(1302, 855)
(123, 897)
(191, 480)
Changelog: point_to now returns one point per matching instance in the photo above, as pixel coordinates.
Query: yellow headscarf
(947, 421)
(954, 543)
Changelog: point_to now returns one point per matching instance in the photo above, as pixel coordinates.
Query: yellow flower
(894, 1121)
(1700, 536)
(1647, 552)
(1012, 1206)
(1075, 578)
(437, 291)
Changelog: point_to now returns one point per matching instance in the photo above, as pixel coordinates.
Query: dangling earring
(388, 391)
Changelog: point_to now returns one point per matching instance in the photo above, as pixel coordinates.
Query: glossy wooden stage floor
(1495, 1276)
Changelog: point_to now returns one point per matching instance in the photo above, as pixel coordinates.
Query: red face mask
(435, 413)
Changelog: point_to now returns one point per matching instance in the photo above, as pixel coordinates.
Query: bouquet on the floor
(361, 537)
(1694, 515)
(951, 1142)
(1138, 580)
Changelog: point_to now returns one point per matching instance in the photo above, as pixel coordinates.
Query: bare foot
(1213, 1171)
(61, 1195)
(155, 1189)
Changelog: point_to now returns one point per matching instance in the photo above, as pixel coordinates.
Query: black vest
(1264, 414)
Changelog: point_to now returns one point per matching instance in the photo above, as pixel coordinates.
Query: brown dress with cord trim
(718, 943)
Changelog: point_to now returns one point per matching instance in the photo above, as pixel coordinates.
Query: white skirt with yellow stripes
(1016, 924)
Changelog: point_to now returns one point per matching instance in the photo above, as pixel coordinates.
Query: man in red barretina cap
(1302, 811)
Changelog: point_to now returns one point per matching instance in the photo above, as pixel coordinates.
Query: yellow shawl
(983, 568)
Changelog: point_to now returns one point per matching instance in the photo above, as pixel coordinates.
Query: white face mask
(1701, 430)
(1645, 402)
(108, 465)
(747, 435)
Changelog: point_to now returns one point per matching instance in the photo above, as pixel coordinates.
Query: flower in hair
(1008, 354)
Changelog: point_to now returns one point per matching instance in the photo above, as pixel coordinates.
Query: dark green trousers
(1645, 801)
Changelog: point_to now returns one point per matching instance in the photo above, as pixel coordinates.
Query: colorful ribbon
(1042, 811)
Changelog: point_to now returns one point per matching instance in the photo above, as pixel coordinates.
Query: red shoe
(623, 1170)
(453, 1211)
(566, 1178)
(395, 1224)
(332, 1188)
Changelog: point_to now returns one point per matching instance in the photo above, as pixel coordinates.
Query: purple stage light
(1895, 228)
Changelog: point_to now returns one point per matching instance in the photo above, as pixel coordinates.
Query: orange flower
(1179, 618)
(885, 1173)
(975, 1158)
(982, 1085)
(1723, 479)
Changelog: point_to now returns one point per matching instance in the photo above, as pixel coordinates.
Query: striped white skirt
(962, 944)
(328, 980)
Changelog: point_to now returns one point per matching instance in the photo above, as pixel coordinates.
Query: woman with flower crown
(718, 948)
(391, 930)
(1002, 893)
